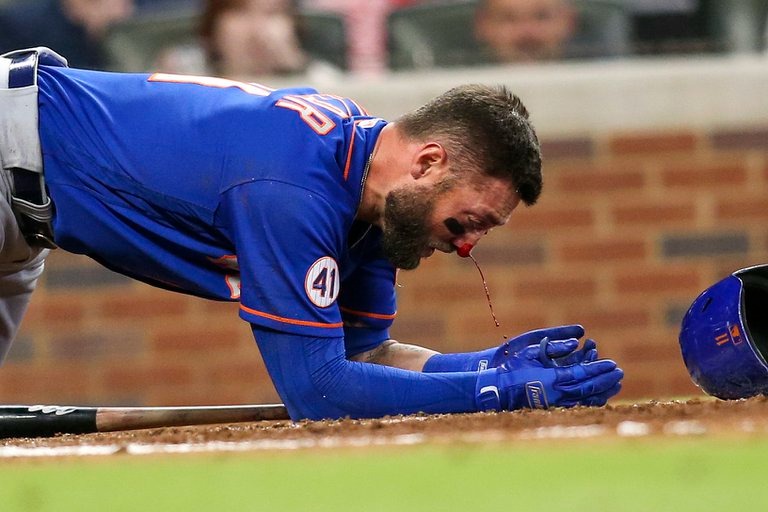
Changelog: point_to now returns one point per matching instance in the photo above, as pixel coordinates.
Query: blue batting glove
(533, 385)
(586, 354)
(545, 354)
(564, 332)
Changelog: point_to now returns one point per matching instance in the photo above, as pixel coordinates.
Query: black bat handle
(45, 421)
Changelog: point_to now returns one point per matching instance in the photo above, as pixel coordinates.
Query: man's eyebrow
(491, 218)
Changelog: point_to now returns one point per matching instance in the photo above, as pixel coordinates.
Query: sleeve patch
(322, 282)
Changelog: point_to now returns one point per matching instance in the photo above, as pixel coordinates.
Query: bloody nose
(464, 250)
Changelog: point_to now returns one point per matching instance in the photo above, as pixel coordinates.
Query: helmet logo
(727, 333)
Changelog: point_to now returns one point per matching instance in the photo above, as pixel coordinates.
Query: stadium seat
(324, 37)
(738, 26)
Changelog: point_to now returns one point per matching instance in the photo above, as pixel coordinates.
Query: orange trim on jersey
(291, 321)
(341, 100)
(349, 155)
(359, 107)
(379, 316)
(321, 100)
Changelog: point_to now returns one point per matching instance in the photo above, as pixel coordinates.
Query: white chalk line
(625, 429)
(215, 446)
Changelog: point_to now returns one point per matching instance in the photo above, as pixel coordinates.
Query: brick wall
(630, 228)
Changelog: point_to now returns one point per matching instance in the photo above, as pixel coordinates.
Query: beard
(405, 232)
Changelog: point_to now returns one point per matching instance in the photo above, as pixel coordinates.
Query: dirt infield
(697, 417)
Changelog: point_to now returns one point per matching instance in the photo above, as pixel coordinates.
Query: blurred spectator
(366, 24)
(252, 37)
(482, 32)
(523, 30)
(74, 28)
(246, 39)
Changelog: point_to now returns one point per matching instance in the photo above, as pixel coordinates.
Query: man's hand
(533, 379)
(587, 353)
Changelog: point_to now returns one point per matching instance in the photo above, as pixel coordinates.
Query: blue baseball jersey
(221, 189)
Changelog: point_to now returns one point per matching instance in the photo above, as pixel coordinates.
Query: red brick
(658, 281)
(142, 306)
(209, 339)
(750, 138)
(654, 353)
(441, 292)
(62, 310)
(608, 318)
(567, 148)
(477, 330)
(244, 373)
(99, 345)
(129, 377)
(601, 181)
(742, 209)
(510, 252)
(654, 214)
(653, 143)
(419, 329)
(551, 218)
(38, 384)
(601, 250)
(556, 288)
(214, 307)
(705, 176)
(208, 394)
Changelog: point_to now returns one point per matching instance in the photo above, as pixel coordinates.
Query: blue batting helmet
(724, 336)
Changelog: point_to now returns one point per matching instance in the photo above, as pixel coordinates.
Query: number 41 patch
(322, 282)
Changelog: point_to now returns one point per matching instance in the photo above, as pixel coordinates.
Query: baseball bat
(49, 420)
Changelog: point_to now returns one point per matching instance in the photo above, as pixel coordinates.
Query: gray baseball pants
(20, 264)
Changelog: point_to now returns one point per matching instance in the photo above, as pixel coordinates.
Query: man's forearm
(419, 359)
(316, 380)
(397, 355)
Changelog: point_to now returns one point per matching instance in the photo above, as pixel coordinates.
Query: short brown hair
(483, 128)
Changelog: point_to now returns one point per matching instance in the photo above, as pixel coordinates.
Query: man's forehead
(494, 199)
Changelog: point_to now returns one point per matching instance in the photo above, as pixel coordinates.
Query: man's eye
(454, 226)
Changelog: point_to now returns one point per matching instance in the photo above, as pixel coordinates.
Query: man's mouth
(437, 246)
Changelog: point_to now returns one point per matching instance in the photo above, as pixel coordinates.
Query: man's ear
(428, 159)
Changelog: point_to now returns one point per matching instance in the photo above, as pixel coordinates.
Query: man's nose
(469, 238)
(465, 250)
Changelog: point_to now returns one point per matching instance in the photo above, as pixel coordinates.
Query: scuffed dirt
(675, 418)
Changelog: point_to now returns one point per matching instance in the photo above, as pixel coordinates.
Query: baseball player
(296, 204)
